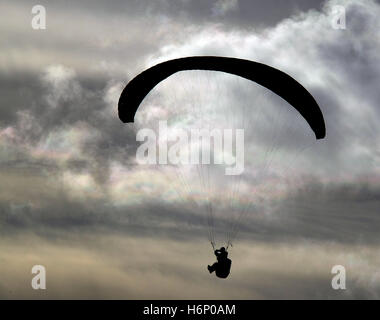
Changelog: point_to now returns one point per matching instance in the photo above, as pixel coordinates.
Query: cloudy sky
(74, 199)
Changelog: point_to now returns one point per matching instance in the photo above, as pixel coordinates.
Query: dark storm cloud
(345, 214)
(80, 103)
(56, 214)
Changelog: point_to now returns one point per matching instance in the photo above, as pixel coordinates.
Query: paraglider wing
(273, 79)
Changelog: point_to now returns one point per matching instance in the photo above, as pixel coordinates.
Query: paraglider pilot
(223, 266)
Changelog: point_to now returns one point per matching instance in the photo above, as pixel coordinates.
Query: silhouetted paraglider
(273, 79)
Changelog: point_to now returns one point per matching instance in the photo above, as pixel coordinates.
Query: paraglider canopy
(273, 79)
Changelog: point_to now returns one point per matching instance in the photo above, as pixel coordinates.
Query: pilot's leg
(212, 268)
